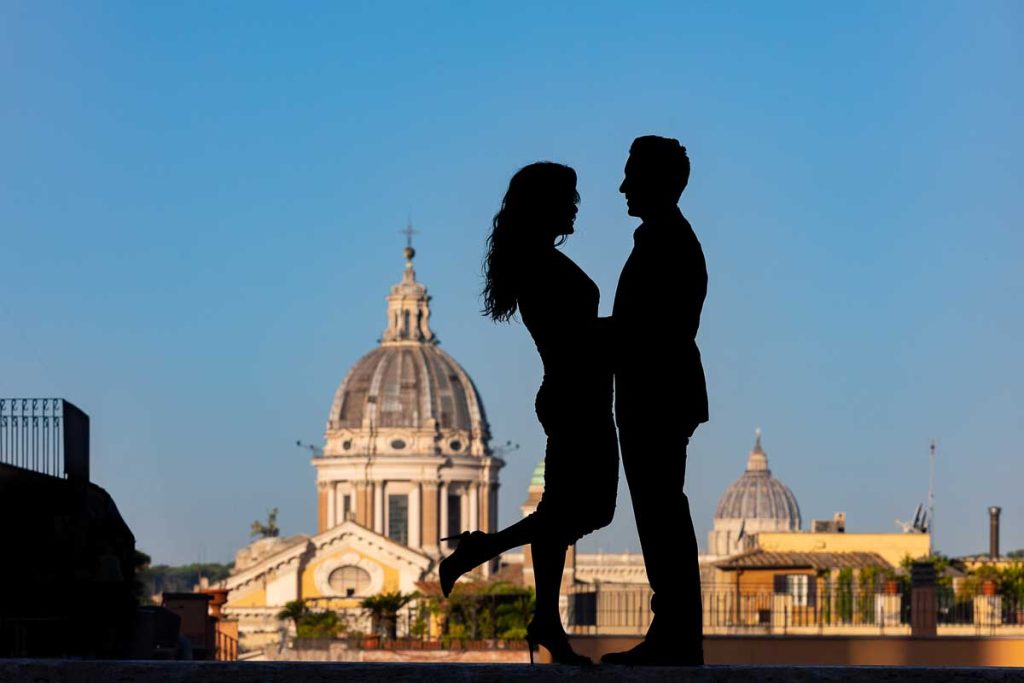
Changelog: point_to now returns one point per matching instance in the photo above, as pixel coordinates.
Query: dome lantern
(408, 307)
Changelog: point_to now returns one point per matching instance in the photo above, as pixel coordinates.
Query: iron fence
(45, 435)
(979, 608)
(812, 603)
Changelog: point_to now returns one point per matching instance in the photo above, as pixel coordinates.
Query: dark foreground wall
(53, 671)
(962, 651)
(67, 574)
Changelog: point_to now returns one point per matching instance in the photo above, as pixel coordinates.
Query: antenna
(919, 525)
(931, 497)
(316, 451)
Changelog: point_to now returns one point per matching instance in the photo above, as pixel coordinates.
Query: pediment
(290, 555)
(370, 543)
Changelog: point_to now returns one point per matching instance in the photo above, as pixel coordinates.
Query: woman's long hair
(536, 197)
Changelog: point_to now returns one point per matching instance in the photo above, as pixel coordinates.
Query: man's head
(656, 175)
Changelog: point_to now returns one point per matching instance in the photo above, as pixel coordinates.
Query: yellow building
(893, 548)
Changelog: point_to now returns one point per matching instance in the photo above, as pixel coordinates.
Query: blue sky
(200, 208)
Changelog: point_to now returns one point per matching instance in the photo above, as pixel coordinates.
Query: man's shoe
(648, 653)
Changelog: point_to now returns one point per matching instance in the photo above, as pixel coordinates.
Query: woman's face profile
(565, 214)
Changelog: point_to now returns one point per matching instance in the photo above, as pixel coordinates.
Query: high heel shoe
(469, 553)
(555, 641)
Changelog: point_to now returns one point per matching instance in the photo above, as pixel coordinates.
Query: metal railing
(45, 435)
(979, 609)
(225, 647)
(818, 603)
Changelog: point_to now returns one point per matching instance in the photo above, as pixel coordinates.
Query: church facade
(406, 462)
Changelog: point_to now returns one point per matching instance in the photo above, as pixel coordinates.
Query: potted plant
(890, 583)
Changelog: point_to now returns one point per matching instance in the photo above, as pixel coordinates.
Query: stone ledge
(67, 671)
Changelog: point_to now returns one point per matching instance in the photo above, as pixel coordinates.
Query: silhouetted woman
(558, 304)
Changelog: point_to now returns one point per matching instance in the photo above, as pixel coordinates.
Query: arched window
(349, 581)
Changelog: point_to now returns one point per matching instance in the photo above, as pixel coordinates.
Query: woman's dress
(558, 304)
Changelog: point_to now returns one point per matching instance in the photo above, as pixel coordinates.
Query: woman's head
(537, 212)
(540, 204)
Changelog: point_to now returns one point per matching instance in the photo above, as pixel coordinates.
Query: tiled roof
(766, 559)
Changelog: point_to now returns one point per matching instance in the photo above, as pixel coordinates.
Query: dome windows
(397, 444)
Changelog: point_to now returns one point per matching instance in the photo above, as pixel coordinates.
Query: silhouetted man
(660, 394)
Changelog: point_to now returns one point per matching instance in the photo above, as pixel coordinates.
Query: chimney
(993, 532)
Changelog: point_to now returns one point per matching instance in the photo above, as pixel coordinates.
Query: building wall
(892, 547)
(383, 577)
(253, 596)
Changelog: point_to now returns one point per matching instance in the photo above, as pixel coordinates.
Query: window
(796, 585)
(398, 519)
(454, 518)
(583, 609)
(346, 508)
(801, 586)
(349, 581)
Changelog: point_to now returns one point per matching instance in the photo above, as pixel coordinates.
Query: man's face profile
(636, 187)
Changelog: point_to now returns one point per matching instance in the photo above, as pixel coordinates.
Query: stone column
(442, 496)
(474, 507)
(321, 506)
(362, 505)
(464, 509)
(485, 507)
(415, 517)
(430, 522)
(332, 505)
(378, 507)
(493, 507)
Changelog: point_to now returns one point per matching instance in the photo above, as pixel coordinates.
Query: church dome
(758, 496)
(407, 396)
(417, 386)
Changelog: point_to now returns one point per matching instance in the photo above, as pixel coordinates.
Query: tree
(268, 530)
(383, 610)
(161, 578)
(312, 623)
(1016, 554)
(513, 615)
(294, 610)
(940, 562)
(320, 624)
(486, 610)
(1011, 583)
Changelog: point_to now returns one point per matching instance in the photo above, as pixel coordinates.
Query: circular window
(455, 445)
(398, 444)
(349, 581)
(347, 445)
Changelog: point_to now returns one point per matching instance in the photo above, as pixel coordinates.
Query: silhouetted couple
(648, 345)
